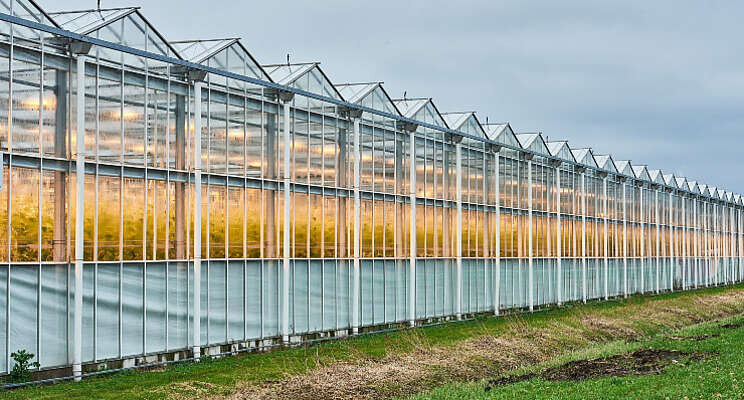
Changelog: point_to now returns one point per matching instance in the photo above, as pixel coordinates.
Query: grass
(719, 376)
(422, 360)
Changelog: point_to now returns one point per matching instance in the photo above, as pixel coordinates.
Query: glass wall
(523, 230)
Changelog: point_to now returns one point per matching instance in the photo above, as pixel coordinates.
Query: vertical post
(458, 183)
(643, 240)
(287, 202)
(606, 245)
(558, 236)
(357, 230)
(658, 236)
(695, 239)
(497, 289)
(412, 232)
(684, 242)
(529, 236)
(197, 218)
(625, 242)
(583, 235)
(530, 272)
(739, 243)
(77, 349)
(671, 243)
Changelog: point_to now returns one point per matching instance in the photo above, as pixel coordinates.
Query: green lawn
(556, 335)
(719, 376)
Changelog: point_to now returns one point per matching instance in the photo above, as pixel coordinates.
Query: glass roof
(682, 182)
(307, 76)
(371, 95)
(561, 150)
(534, 142)
(465, 122)
(656, 176)
(670, 180)
(86, 21)
(641, 172)
(605, 161)
(502, 133)
(225, 54)
(423, 110)
(624, 167)
(584, 156)
(693, 187)
(124, 26)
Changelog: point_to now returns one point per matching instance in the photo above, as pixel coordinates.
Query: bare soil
(638, 363)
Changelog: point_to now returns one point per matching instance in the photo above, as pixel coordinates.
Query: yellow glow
(49, 103)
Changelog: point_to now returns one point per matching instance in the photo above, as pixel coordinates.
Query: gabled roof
(225, 54)
(693, 187)
(729, 196)
(703, 189)
(721, 194)
(737, 198)
(606, 162)
(422, 109)
(306, 76)
(656, 176)
(624, 167)
(369, 94)
(124, 26)
(713, 192)
(584, 156)
(501, 133)
(534, 142)
(641, 172)
(561, 150)
(682, 182)
(670, 180)
(465, 122)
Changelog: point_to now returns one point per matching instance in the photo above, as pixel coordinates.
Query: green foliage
(21, 371)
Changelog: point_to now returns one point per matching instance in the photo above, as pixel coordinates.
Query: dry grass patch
(495, 349)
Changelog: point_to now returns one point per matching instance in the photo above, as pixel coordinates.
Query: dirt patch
(638, 363)
(731, 326)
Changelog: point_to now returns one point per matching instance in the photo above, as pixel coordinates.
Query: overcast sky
(657, 82)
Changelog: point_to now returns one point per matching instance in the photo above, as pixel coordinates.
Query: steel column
(529, 237)
(287, 204)
(77, 347)
(497, 291)
(357, 229)
(559, 250)
(458, 183)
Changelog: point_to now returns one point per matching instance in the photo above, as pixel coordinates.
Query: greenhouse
(132, 164)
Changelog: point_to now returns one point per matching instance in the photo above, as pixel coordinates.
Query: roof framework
(534, 142)
(122, 26)
(606, 162)
(305, 76)
(561, 150)
(227, 54)
(502, 133)
(127, 27)
(584, 156)
(369, 94)
(422, 109)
